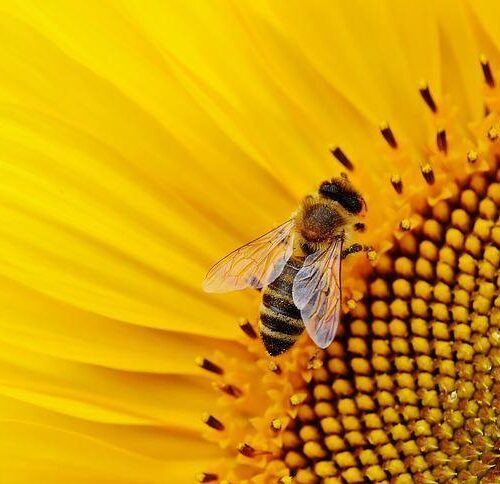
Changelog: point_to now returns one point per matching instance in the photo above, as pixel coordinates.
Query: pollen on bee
(372, 255)
(488, 75)
(425, 92)
(397, 183)
(342, 158)
(388, 135)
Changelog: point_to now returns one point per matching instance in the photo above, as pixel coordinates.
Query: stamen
(206, 477)
(212, 422)
(351, 304)
(208, 365)
(298, 398)
(229, 389)
(427, 173)
(427, 97)
(372, 255)
(397, 183)
(441, 141)
(274, 367)
(314, 363)
(247, 328)
(248, 451)
(405, 224)
(276, 425)
(472, 156)
(488, 75)
(494, 132)
(388, 135)
(342, 158)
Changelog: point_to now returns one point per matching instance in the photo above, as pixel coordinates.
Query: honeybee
(298, 266)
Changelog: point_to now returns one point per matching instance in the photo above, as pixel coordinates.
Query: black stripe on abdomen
(280, 322)
(280, 304)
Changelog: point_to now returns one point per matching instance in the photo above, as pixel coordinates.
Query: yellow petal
(157, 442)
(85, 337)
(37, 453)
(101, 394)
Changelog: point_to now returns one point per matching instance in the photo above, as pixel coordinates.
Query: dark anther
(247, 328)
(359, 227)
(352, 250)
(427, 173)
(488, 75)
(212, 422)
(276, 425)
(405, 225)
(441, 141)
(472, 156)
(397, 183)
(208, 365)
(274, 367)
(427, 97)
(207, 477)
(248, 451)
(229, 389)
(493, 133)
(388, 136)
(342, 158)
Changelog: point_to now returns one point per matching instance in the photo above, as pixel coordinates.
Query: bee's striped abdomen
(280, 322)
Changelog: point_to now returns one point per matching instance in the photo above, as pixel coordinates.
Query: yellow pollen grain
(493, 133)
(472, 156)
(298, 398)
(351, 304)
(405, 224)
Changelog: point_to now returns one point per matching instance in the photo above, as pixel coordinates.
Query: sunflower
(141, 141)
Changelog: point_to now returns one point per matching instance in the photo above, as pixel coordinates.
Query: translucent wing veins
(256, 264)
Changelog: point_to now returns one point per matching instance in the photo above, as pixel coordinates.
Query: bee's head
(341, 190)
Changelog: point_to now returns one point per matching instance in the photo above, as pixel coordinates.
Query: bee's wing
(256, 264)
(317, 293)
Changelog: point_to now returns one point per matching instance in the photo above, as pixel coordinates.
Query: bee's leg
(355, 248)
(359, 227)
